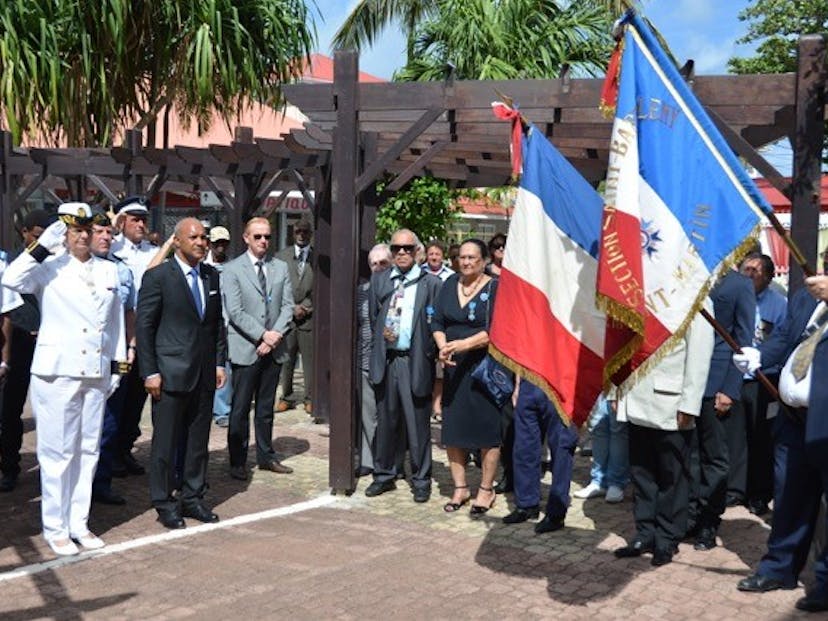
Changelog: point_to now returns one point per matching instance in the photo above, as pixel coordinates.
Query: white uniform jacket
(82, 319)
(675, 384)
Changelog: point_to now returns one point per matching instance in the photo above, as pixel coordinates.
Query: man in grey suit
(402, 365)
(259, 304)
(299, 259)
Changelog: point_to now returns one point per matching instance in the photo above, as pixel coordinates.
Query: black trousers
(395, 405)
(129, 427)
(759, 479)
(178, 415)
(255, 381)
(659, 469)
(298, 342)
(14, 399)
(709, 466)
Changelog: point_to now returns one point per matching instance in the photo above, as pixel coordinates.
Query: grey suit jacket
(246, 303)
(302, 285)
(423, 349)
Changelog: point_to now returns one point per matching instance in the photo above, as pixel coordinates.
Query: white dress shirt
(793, 393)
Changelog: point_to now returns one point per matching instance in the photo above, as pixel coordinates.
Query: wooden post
(807, 158)
(242, 191)
(321, 396)
(368, 205)
(345, 227)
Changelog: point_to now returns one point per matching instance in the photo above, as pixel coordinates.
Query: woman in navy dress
(471, 420)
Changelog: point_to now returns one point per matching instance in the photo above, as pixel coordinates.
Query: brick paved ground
(366, 558)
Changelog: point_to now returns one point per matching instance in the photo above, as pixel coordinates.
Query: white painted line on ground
(36, 568)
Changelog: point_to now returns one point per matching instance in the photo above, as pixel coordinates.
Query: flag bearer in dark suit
(81, 335)
(181, 352)
(259, 303)
(402, 365)
(299, 260)
(800, 444)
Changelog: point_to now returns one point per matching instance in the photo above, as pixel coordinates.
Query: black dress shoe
(277, 467)
(521, 515)
(238, 472)
(421, 494)
(108, 497)
(504, 487)
(757, 583)
(8, 482)
(548, 525)
(363, 471)
(733, 501)
(662, 556)
(758, 507)
(170, 519)
(131, 464)
(379, 487)
(631, 550)
(706, 539)
(812, 603)
(199, 512)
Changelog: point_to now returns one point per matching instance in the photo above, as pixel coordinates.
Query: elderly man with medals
(81, 336)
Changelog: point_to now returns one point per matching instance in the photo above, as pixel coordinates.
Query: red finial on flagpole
(507, 111)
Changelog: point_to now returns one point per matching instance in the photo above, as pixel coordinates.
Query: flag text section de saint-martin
(678, 207)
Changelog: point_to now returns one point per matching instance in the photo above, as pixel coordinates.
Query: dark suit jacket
(781, 344)
(423, 349)
(734, 306)
(302, 285)
(172, 339)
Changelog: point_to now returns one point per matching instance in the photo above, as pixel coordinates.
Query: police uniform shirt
(136, 256)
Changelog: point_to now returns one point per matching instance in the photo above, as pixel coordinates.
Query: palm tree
(81, 70)
(510, 39)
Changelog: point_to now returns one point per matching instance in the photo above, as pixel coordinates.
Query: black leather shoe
(276, 466)
(757, 583)
(199, 512)
(811, 603)
(422, 494)
(661, 556)
(379, 487)
(238, 472)
(171, 519)
(521, 515)
(706, 539)
(108, 497)
(363, 471)
(631, 550)
(733, 501)
(548, 525)
(131, 464)
(8, 482)
(758, 507)
(504, 487)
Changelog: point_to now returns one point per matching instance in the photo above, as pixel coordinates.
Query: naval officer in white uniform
(81, 335)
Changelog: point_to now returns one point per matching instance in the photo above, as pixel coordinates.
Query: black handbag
(495, 379)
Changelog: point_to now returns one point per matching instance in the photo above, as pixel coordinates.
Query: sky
(704, 30)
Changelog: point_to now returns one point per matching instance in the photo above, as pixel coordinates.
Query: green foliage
(82, 69)
(426, 206)
(510, 39)
(778, 24)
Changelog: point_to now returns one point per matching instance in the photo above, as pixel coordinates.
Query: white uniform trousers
(68, 415)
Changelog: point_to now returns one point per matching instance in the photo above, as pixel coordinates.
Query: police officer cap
(79, 214)
(134, 205)
(219, 233)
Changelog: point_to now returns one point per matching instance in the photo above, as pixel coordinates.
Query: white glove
(749, 360)
(114, 381)
(53, 237)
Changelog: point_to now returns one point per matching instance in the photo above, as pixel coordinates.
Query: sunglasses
(498, 246)
(407, 248)
(258, 236)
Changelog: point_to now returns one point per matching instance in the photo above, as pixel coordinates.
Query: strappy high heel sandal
(478, 510)
(451, 507)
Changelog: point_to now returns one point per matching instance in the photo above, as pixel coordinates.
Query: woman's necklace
(467, 293)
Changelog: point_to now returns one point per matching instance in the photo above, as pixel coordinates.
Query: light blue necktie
(196, 293)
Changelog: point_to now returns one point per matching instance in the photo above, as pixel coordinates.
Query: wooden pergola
(447, 130)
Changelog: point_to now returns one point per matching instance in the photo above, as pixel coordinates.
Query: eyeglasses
(258, 236)
(407, 248)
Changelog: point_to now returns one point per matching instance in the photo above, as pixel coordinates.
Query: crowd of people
(96, 318)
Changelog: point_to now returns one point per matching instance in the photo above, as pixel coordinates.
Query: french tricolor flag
(678, 208)
(545, 323)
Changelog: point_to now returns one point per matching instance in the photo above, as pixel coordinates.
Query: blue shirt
(126, 284)
(771, 308)
(407, 305)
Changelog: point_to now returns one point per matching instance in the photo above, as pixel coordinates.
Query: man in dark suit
(181, 353)
(299, 259)
(734, 306)
(800, 444)
(402, 365)
(259, 305)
